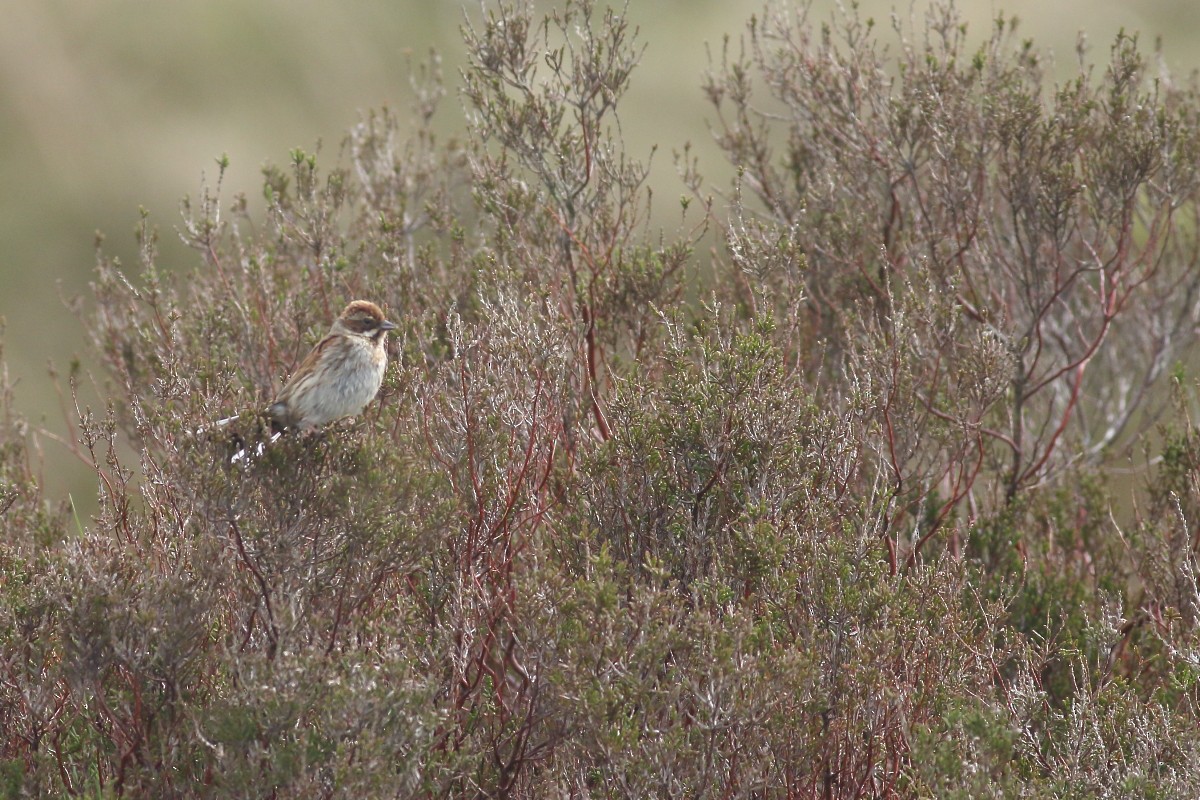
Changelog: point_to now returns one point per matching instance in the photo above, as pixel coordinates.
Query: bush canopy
(872, 474)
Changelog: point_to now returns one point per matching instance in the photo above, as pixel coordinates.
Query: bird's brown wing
(278, 408)
(309, 364)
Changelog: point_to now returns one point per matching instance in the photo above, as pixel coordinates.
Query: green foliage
(830, 515)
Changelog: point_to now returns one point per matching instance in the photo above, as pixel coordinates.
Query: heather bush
(823, 492)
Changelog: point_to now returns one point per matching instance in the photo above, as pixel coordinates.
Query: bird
(340, 376)
(337, 379)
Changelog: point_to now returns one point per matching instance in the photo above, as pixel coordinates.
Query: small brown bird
(341, 374)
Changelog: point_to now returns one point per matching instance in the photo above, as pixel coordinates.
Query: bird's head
(364, 318)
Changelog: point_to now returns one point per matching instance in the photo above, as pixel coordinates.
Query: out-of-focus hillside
(105, 107)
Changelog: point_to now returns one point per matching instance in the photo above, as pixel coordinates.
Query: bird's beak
(387, 326)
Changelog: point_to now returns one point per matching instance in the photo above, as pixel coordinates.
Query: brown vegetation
(829, 514)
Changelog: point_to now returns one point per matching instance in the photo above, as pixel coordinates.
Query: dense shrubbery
(854, 509)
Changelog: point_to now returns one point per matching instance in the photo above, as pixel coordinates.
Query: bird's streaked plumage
(340, 376)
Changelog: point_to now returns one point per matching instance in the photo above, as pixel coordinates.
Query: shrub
(837, 514)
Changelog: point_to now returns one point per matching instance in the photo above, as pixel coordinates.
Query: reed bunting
(341, 374)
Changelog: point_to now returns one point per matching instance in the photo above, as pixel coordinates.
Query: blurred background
(109, 106)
